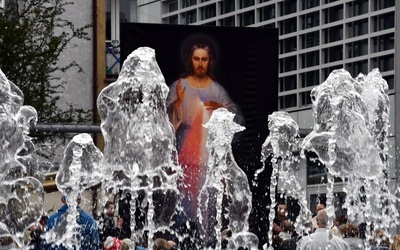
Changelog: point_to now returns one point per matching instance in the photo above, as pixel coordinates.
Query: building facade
(315, 38)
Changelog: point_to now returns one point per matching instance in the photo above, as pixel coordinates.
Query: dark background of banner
(247, 67)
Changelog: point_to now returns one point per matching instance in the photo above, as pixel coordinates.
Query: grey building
(315, 37)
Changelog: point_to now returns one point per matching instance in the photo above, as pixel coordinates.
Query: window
(310, 59)
(189, 17)
(287, 83)
(208, 11)
(384, 21)
(227, 6)
(288, 7)
(310, 40)
(288, 45)
(333, 54)
(382, 43)
(309, 78)
(246, 3)
(333, 14)
(383, 63)
(327, 71)
(305, 98)
(266, 13)
(358, 48)
(188, 3)
(288, 64)
(228, 22)
(356, 68)
(288, 26)
(357, 7)
(307, 4)
(357, 28)
(247, 18)
(310, 20)
(173, 6)
(390, 81)
(288, 101)
(333, 34)
(173, 19)
(383, 4)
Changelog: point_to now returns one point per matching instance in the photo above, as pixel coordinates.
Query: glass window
(229, 21)
(307, 4)
(390, 81)
(305, 98)
(189, 17)
(288, 26)
(288, 45)
(213, 23)
(227, 6)
(383, 63)
(288, 7)
(266, 12)
(188, 3)
(173, 6)
(356, 68)
(310, 20)
(333, 14)
(309, 78)
(357, 28)
(382, 43)
(309, 40)
(208, 11)
(327, 71)
(383, 4)
(358, 48)
(333, 54)
(247, 18)
(333, 34)
(173, 19)
(310, 59)
(246, 3)
(288, 101)
(384, 21)
(288, 83)
(288, 64)
(357, 7)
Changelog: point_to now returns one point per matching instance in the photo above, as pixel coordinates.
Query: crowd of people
(342, 235)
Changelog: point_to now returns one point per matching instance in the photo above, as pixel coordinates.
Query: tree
(33, 34)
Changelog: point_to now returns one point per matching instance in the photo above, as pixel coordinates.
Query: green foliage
(33, 34)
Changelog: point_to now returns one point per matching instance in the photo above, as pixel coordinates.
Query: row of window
(334, 53)
(312, 78)
(269, 12)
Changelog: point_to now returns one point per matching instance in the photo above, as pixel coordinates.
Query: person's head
(64, 199)
(395, 245)
(322, 218)
(282, 209)
(349, 230)
(320, 206)
(126, 244)
(287, 226)
(200, 61)
(380, 237)
(109, 208)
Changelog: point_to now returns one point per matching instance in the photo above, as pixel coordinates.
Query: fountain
(140, 159)
(225, 178)
(21, 196)
(139, 154)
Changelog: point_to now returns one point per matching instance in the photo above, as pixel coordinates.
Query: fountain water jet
(139, 154)
(225, 178)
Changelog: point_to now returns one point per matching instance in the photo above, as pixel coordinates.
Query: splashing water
(139, 153)
(280, 144)
(349, 137)
(21, 197)
(79, 170)
(224, 177)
